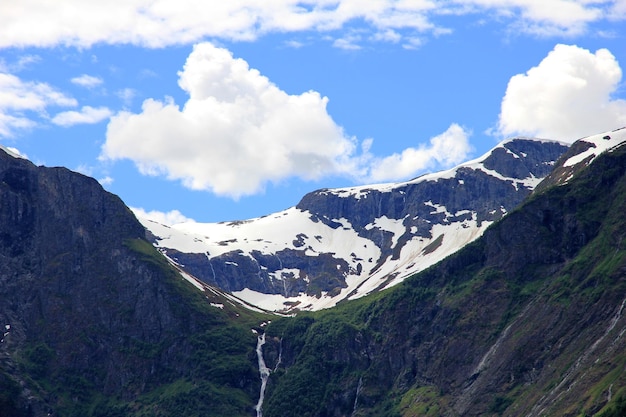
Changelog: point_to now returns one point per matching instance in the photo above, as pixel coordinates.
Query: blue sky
(220, 112)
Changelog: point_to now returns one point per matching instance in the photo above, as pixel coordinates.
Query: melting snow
(602, 143)
(295, 229)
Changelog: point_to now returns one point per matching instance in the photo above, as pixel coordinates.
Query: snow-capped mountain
(582, 153)
(344, 243)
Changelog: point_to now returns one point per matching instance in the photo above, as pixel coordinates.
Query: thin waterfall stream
(263, 371)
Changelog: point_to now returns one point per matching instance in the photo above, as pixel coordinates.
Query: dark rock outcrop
(89, 307)
(528, 320)
(468, 196)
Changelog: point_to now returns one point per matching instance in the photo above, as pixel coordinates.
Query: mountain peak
(582, 153)
(344, 243)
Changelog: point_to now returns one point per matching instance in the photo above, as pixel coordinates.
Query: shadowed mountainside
(528, 320)
(96, 322)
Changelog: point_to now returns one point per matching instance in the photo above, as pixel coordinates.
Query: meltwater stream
(264, 371)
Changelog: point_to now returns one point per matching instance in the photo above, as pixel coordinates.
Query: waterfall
(263, 371)
(280, 355)
(356, 398)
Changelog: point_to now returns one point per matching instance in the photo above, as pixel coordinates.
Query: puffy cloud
(447, 149)
(18, 97)
(236, 132)
(160, 23)
(86, 115)
(87, 81)
(568, 95)
(167, 218)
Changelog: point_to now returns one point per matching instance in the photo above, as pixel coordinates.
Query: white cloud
(14, 152)
(167, 218)
(445, 150)
(106, 181)
(348, 42)
(388, 35)
(86, 115)
(20, 64)
(87, 81)
(84, 169)
(618, 11)
(18, 98)
(163, 22)
(566, 96)
(294, 44)
(548, 18)
(236, 132)
(126, 95)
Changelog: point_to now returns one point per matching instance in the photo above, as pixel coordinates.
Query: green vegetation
(531, 314)
(558, 276)
(206, 366)
(616, 409)
(422, 402)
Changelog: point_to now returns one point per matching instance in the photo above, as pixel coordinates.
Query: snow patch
(601, 143)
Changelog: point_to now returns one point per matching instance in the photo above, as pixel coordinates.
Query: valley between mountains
(495, 288)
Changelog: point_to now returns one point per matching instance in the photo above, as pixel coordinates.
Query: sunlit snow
(299, 230)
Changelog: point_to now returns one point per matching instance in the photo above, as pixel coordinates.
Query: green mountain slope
(96, 322)
(528, 320)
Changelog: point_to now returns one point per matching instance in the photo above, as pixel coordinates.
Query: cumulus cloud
(167, 218)
(18, 98)
(162, 22)
(86, 115)
(568, 95)
(447, 149)
(87, 81)
(236, 132)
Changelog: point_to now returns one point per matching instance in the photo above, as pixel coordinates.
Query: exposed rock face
(82, 307)
(528, 320)
(344, 243)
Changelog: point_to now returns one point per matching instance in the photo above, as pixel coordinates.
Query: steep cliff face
(528, 320)
(91, 312)
(339, 244)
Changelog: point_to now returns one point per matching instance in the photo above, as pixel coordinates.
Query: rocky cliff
(339, 244)
(528, 320)
(93, 317)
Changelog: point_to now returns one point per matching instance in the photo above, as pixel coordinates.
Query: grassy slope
(537, 302)
(218, 375)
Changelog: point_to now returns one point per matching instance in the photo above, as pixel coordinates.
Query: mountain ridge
(527, 320)
(338, 244)
(94, 317)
